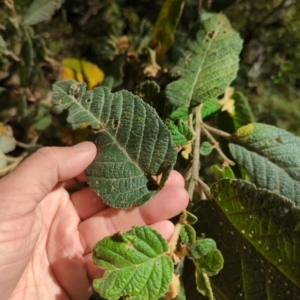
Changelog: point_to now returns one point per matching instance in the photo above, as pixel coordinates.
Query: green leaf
(271, 157)
(209, 108)
(201, 282)
(166, 23)
(242, 111)
(181, 113)
(188, 218)
(133, 143)
(206, 148)
(136, 265)
(258, 234)
(187, 235)
(211, 264)
(209, 65)
(181, 132)
(41, 10)
(202, 248)
(226, 172)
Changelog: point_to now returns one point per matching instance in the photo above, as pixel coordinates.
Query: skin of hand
(47, 234)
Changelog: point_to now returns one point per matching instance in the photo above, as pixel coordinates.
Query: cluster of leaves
(165, 101)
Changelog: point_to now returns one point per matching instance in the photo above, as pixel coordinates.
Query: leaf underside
(271, 157)
(133, 143)
(209, 65)
(262, 230)
(136, 265)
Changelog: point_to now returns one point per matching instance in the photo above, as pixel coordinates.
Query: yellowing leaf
(166, 23)
(227, 102)
(82, 70)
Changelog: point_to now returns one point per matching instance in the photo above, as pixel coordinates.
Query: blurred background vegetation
(37, 35)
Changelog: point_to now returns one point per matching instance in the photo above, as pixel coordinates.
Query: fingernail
(84, 146)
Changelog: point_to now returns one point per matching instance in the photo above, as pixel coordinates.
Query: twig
(216, 146)
(216, 131)
(208, 286)
(205, 188)
(15, 162)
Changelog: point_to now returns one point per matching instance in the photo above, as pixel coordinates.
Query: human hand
(47, 234)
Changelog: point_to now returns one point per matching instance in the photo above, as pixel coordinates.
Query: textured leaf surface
(133, 143)
(41, 10)
(187, 235)
(209, 64)
(181, 132)
(271, 156)
(258, 234)
(136, 265)
(166, 23)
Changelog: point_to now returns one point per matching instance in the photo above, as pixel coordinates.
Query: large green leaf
(41, 10)
(133, 143)
(258, 234)
(136, 265)
(166, 23)
(271, 157)
(209, 64)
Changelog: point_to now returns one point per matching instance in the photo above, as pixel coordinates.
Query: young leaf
(181, 132)
(258, 234)
(209, 65)
(133, 143)
(136, 265)
(271, 157)
(41, 10)
(206, 148)
(164, 29)
(187, 235)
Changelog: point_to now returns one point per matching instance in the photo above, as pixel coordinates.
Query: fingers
(39, 174)
(87, 203)
(169, 202)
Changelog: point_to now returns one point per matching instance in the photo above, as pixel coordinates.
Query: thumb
(34, 178)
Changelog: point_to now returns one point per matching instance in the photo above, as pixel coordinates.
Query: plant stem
(208, 286)
(216, 146)
(216, 131)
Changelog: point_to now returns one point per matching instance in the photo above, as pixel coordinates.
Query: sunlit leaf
(209, 64)
(136, 265)
(134, 145)
(258, 234)
(271, 156)
(166, 23)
